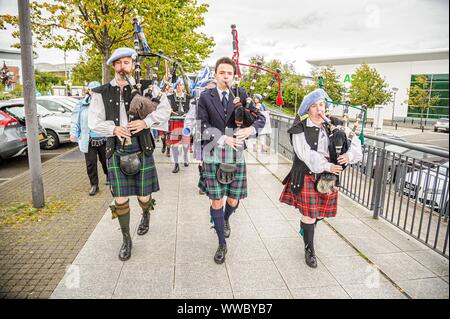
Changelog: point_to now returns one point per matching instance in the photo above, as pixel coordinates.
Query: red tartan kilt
(176, 133)
(160, 133)
(310, 202)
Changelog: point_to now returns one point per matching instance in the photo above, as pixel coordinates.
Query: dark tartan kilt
(237, 189)
(310, 202)
(176, 133)
(142, 184)
(202, 181)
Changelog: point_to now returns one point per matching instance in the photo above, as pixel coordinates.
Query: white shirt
(97, 122)
(316, 160)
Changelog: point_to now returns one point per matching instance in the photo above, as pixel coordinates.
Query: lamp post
(394, 90)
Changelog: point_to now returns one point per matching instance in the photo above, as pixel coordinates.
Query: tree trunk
(106, 71)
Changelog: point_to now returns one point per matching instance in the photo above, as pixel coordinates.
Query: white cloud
(294, 30)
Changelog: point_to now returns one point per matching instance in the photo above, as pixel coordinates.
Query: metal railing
(394, 182)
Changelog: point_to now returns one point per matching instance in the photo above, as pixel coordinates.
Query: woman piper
(180, 103)
(314, 155)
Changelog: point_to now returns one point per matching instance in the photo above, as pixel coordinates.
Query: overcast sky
(294, 30)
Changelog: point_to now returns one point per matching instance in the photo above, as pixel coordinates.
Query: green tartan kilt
(142, 184)
(208, 180)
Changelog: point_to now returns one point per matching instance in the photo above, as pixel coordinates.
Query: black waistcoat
(312, 138)
(111, 101)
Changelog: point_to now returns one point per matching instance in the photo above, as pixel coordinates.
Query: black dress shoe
(163, 150)
(219, 257)
(93, 191)
(310, 258)
(176, 169)
(226, 228)
(186, 164)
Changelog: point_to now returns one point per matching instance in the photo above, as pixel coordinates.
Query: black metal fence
(405, 184)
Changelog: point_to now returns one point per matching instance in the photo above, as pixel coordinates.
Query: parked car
(431, 187)
(13, 139)
(370, 155)
(57, 104)
(442, 124)
(399, 155)
(56, 125)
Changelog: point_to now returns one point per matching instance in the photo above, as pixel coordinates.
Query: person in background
(92, 144)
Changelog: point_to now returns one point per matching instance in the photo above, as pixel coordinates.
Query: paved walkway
(359, 257)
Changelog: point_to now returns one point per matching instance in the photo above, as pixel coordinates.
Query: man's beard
(122, 75)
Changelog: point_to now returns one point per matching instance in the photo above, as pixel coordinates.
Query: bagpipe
(340, 141)
(142, 103)
(244, 115)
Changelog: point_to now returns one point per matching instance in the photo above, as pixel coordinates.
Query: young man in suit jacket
(223, 143)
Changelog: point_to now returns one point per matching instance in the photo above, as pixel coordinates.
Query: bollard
(423, 128)
(396, 125)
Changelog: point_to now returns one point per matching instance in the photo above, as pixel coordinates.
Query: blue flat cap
(258, 96)
(311, 98)
(93, 85)
(120, 53)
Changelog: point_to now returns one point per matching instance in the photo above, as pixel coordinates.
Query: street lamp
(394, 90)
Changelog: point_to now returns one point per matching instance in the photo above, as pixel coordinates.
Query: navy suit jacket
(214, 123)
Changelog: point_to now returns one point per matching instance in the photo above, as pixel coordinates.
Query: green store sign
(348, 78)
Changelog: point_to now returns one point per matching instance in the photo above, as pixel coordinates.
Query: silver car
(441, 124)
(13, 138)
(62, 105)
(56, 124)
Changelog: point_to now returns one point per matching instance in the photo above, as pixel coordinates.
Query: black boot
(93, 190)
(125, 250)
(145, 220)
(168, 151)
(219, 257)
(163, 150)
(308, 238)
(176, 169)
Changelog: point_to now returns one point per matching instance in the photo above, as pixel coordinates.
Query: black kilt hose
(208, 177)
(143, 183)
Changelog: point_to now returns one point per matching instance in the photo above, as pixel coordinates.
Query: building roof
(423, 55)
(9, 54)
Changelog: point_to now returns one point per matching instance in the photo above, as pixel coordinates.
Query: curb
(42, 165)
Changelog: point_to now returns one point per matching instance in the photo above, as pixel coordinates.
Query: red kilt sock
(218, 218)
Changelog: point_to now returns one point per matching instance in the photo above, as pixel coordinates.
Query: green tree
(106, 25)
(45, 81)
(420, 96)
(88, 69)
(331, 82)
(368, 87)
(291, 83)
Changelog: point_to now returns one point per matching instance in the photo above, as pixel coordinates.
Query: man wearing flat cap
(130, 144)
(314, 155)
